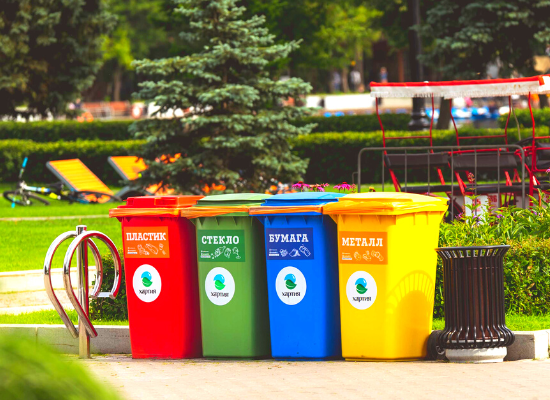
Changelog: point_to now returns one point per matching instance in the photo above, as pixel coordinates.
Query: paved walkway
(204, 379)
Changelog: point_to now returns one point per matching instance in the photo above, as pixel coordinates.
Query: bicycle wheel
(24, 198)
(88, 196)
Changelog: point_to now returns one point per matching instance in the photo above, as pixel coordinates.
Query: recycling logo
(219, 286)
(219, 281)
(147, 283)
(290, 285)
(361, 290)
(361, 285)
(290, 281)
(146, 279)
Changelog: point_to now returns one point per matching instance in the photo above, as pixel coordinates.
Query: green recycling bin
(232, 277)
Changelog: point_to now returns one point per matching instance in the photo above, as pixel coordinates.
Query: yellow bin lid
(386, 203)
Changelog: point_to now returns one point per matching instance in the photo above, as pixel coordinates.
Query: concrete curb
(111, 339)
(529, 345)
(115, 339)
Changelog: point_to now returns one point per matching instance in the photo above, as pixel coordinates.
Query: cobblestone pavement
(207, 379)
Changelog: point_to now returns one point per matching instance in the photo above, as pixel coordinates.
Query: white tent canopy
(453, 89)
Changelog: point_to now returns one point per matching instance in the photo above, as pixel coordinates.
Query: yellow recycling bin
(387, 266)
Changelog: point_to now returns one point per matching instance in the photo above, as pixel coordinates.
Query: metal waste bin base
(476, 356)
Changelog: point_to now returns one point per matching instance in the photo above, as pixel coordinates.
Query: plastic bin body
(161, 279)
(233, 289)
(387, 295)
(304, 313)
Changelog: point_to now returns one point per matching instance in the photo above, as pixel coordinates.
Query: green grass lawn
(23, 244)
(48, 317)
(56, 208)
(514, 322)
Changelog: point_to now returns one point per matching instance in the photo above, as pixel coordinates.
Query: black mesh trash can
(475, 327)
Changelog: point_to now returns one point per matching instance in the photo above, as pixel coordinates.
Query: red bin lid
(161, 201)
(154, 206)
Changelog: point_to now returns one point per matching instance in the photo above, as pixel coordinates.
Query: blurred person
(355, 78)
(383, 79)
(336, 81)
(383, 75)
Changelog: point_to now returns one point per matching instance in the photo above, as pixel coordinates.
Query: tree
(468, 35)
(333, 32)
(50, 52)
(137, 35)
(471, 34)
(347, 34)
(236, 129)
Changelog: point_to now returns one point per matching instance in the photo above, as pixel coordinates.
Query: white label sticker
(147, 283)
(361, 290)
(219, 286)
(290, 285)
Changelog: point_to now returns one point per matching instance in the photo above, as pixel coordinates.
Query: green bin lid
(233, 199)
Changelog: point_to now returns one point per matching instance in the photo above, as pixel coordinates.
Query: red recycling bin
(160, 263)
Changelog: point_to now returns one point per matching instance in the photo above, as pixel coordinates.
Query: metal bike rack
(82, 241)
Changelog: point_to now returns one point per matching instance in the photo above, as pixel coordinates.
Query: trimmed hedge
(526, 276)
(93, 154)
(542, 118)
(358, 123)
(526, 264)
(52, 131)
(333, 156)
(106, 309)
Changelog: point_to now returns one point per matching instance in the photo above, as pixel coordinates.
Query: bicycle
(24, 195)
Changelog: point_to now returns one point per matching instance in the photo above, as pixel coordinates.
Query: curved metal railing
(82, 241)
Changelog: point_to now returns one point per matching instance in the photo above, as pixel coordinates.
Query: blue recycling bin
(302, 273)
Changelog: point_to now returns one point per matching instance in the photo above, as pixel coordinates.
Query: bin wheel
(434, 351)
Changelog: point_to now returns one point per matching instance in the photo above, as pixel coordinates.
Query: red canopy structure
(453, 89)
(474, 89)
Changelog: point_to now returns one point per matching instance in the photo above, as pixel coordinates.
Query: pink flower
(319, 187)
(300, 185)
(548, 171)
(343, 186)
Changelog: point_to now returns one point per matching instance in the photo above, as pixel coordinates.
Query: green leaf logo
(361, 285)
(146, 279)
(361, 289)
(290, 281)
(219, 280)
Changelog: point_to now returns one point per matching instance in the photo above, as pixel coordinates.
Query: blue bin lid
(302, 199)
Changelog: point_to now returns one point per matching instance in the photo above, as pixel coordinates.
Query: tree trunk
(543, 101)
(444, 114)
(117, 83)
(359, 65)
(400, 66)
(345, 85)
(331, 87)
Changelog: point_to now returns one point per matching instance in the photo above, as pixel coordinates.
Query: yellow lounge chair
(77, 177)
(129, 168)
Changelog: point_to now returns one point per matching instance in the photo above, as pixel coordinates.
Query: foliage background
(526, 264)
